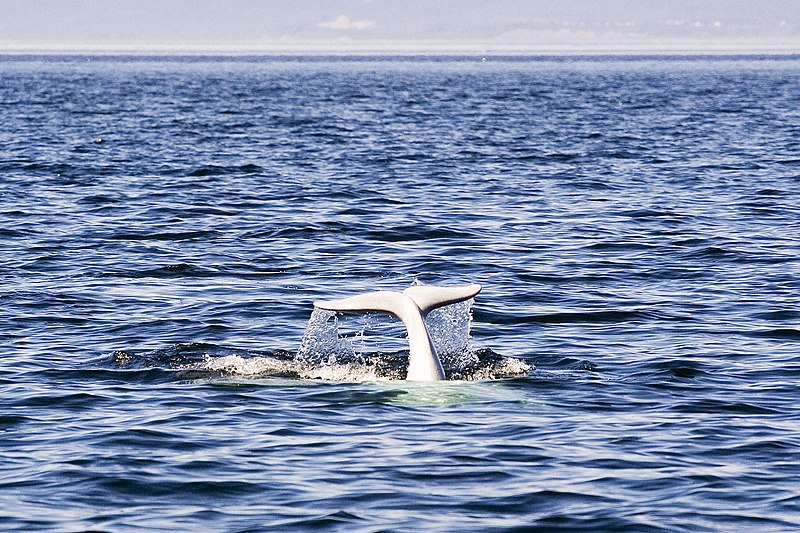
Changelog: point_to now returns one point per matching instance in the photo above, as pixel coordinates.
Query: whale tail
(411, 307)
(426, 297)
(429, 298)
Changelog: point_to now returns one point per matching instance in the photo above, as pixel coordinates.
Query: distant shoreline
(405, 49)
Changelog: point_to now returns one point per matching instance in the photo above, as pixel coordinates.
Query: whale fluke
(411, 307)
(429, 298)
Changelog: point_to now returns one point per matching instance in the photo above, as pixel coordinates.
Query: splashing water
(325, 353)
(322, 344)
(325, 346)
(449, 328)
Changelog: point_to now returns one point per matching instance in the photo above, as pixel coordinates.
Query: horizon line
(662, 47)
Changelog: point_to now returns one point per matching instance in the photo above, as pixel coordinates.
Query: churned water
(167, 222)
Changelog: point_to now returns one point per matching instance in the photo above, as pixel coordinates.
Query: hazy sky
(387, 24)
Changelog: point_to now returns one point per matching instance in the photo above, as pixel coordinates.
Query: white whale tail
(411, 307)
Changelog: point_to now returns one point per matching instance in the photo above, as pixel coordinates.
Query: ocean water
(167, 222)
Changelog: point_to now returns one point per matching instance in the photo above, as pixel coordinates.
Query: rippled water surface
(166, 224)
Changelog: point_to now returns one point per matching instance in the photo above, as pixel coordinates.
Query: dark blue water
(166, 224)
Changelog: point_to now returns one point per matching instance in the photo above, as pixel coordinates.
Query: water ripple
(166, 222)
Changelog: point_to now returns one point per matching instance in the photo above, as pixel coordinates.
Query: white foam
(235, 365)
(240, 366)
(345, 373)
(505, 368)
